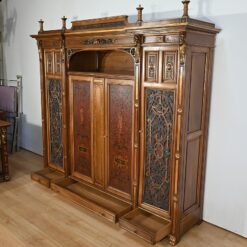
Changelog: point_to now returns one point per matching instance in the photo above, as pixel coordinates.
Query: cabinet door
(158, 100)
(120, 111)
(157, 122)
(81, 127)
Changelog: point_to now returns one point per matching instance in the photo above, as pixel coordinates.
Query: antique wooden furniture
(4, 174)
(125, 110)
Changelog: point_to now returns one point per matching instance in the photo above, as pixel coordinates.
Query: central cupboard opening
(105, 62)
(101, 100)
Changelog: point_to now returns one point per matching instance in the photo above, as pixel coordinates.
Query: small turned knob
(64, 22)
(186, 8)
(41, 26)
(139, 17)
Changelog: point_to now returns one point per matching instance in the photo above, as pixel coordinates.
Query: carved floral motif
(98, 41)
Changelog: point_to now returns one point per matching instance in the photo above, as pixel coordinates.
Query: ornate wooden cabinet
(125, 109)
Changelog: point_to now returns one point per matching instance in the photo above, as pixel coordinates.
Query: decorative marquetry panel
(58, 63)
(151, 70)
(169, 66)
(120, 136)
(49, 62)
(55, 122)
(158, 137)
(82, 127)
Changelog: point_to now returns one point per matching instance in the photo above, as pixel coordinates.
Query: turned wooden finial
(41, 26)
(139, 17)
(186, 8)
(64, 22)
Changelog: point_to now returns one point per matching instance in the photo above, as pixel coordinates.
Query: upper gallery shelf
(120, 23)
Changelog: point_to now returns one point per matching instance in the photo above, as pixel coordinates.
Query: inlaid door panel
(99, 131)
(120, 136)
(169, 68)
(49, 62)
(55, 124)
(157, 148)
(81, 127)
(58, 62)
(152, 66)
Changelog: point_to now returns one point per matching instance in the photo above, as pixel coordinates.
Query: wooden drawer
(93, 199)
(146, 225)
(46, 176)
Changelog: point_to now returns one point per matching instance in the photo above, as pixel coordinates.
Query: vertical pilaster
(138, 51)
(177, 167)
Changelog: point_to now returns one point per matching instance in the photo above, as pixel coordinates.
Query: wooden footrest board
(93, 199)
(150, 227)
(46, 176)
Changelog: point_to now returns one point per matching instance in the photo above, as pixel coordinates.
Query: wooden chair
(11, 107)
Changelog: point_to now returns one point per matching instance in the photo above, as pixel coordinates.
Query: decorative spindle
(139, 18)
(64, 22)
(41, 26)
(186, 8)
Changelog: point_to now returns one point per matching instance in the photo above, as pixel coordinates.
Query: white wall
(226, 178)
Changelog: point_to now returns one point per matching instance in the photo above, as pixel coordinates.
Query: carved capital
(182, 49)
(138, 39)
(39, 44)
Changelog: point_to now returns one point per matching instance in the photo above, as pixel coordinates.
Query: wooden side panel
(55, 152)
(98, 131)
(196, 91)
(158, 143)
(82, 127)
(120, 128)
(195, 127)
(191, 173)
